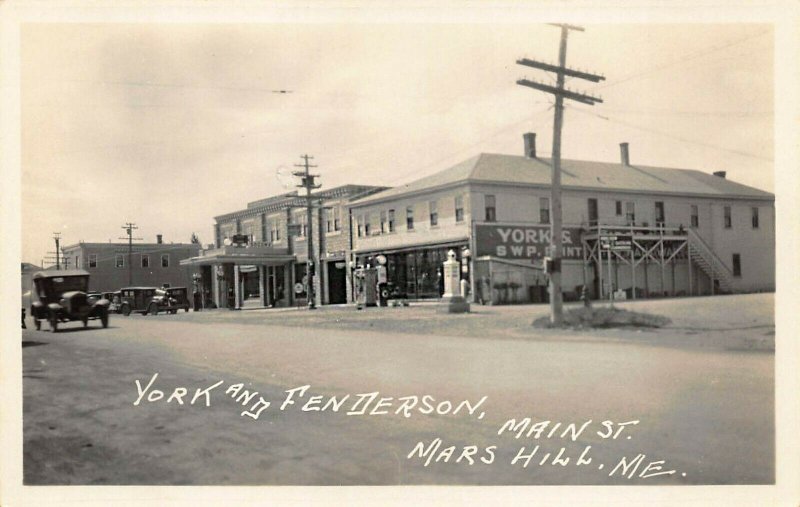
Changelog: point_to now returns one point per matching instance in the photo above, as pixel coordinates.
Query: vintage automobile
(61, 296)
(169, 299)
(135, 300)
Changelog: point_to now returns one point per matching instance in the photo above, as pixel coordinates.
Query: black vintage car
(169, 299)
(136, 300)
(61, 296)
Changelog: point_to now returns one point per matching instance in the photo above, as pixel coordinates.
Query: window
(459, 208)
(618, 208)
(491, 210)
(544, 210)
(728, 222)
(592, 203)
(77, 262)
(164, 260)
(92, 260)
(360, 221)
(145, 261)
(630, 213)
(737, 265)
(328, 220)
(366, 224)
(337, 219)
(660, 213)
(695, 216)
(391, 220)
(754, 217)
(433, 206)
(119, 261)
(383, 222)
(410, 218)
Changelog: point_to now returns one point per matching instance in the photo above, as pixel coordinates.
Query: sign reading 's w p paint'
(516, 241)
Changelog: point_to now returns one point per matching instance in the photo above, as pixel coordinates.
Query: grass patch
(605, 318)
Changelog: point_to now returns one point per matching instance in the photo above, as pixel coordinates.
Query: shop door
(337, 283)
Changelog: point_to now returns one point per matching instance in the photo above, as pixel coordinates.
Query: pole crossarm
(595, 78)
(567, 94)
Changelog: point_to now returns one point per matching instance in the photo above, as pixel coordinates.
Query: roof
(60, 273)
(575, 174)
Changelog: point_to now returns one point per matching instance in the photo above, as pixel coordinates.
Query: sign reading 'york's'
(513, 241)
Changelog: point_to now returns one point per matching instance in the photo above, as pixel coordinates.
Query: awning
(242, 256)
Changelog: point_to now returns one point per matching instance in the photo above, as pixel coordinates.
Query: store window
(433, 207)
(727, 220)
(544, 210)
(459, 208)
(491, 209)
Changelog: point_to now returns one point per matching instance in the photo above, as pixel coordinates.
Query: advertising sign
(516, 241)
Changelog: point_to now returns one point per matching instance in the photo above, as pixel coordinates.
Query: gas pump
(382, 286)
(365, 286)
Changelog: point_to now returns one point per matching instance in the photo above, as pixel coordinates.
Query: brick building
(111, 267)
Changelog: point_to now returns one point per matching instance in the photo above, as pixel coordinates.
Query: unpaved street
(701, 391)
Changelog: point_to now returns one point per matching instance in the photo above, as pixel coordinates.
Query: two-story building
(665, 231)
(112, 266)
(272, 264)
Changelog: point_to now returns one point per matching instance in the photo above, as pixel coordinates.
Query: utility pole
(57, 239)
(307, 182)
(129, 228)
(560, 93)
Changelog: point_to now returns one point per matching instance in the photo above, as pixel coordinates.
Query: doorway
(337, 283)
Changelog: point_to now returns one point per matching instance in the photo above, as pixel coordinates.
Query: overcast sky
(169, 125)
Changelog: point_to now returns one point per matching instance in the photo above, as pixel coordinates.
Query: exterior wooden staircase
(704, 257)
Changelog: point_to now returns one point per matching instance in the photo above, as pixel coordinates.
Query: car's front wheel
(85, 322)
(152, 309)
(37, 323)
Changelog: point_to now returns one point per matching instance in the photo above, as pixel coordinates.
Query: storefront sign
(514, 241)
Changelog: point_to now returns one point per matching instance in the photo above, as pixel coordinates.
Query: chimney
(159, 239)
(720, 174)
(530, 144)
(623, 154)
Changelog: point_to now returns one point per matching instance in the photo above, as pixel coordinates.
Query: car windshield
(62, 284)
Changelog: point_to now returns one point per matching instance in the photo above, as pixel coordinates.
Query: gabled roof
(575, 174)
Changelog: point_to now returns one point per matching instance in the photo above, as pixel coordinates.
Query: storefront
(418, 271)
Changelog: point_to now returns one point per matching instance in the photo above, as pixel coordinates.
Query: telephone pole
(129, 228)
(560, 93)
(57, 239)
(307, 182)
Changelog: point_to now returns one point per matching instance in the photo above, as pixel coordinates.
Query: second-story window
(727, 220)
(618, 208)
(384, 224)
(119, 261)
(391, 220)
(630, 213)
(92, 260)
(165, 260)
(329, 220)
(366, 224)
(145, 261)
(754, 217)
(544, 210)
(695, 216)
(433, 207)
(410, 218)
(660, 213)
(360, 226)
(491, 210)
(337, 219)
(459, 208)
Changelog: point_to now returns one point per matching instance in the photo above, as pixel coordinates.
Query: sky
(169, 125)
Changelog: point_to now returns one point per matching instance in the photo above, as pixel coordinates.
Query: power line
(129, 228)
(672, 136)
(307, 182)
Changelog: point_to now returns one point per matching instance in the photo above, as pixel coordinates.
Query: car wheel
(186, 309)
(126, 310)
(173, 312)
(53, 324)
(152, 309)
(37, 323)
(85, 322)
(104, 319)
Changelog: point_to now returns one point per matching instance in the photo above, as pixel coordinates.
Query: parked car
(61, 296)
(169, 299)
(135, 300)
